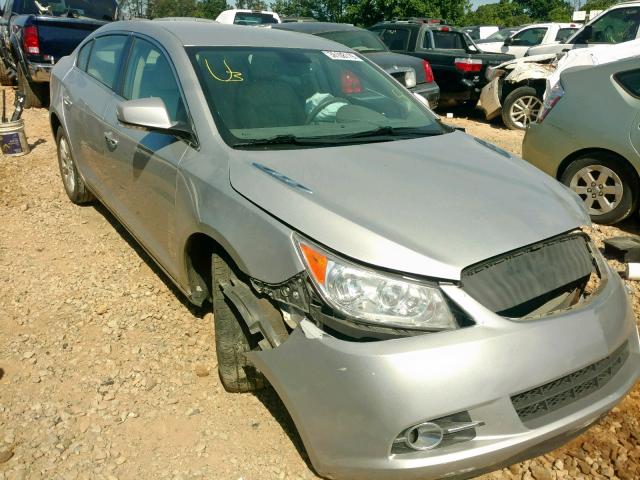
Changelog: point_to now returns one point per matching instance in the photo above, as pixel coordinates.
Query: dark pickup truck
(457, 63)
(37, 33)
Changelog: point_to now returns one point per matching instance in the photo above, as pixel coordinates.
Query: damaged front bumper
(351, 400)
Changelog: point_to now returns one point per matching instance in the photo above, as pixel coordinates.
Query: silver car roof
(193, 32)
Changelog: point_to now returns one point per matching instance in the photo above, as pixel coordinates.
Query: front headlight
(375, 297)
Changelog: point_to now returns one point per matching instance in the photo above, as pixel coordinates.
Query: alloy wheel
(599, 187)
(525, 110)
(66, 162)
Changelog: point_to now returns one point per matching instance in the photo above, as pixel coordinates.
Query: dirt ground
(107, 373)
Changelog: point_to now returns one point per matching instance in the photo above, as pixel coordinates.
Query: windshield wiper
(388, 131)
(282, 140)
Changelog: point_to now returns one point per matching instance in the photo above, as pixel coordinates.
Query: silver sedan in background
(588, 137)
(424, 303)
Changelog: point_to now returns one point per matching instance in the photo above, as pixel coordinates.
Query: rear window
(565, 33)
(395, 38)
(253, 18)
(96, 9)
(448, 40)
(359, 40)
(630, 81)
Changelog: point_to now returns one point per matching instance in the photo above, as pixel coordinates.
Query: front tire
(607, 185)
(521, 108)
(73, 184)
(232, 339)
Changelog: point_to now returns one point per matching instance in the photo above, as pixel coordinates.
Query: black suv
(458, 64)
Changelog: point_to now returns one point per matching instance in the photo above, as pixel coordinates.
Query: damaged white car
(516, 89)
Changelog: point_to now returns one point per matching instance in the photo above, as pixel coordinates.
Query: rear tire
(607, 185)
(36, 95)
(521, 108)
(73, 183)
(6, 80)
(232, 338)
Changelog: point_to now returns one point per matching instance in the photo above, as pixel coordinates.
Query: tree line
(367, 12)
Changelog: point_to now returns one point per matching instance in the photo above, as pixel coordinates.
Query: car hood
(429, 206)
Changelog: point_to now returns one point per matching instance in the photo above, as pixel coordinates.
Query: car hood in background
(388, 60)
(429, 206)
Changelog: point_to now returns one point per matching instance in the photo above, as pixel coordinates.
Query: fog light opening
(425, 436)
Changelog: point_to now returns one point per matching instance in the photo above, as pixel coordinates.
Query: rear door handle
(111, 139)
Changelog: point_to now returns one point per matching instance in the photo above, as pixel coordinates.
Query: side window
(448, 40)
(396, 38)
(149, 74)
(630, 81)
(83, 56)
(619, 25)
(426, 40)
(104, 61)
(25, 7)
(564, 33)
(529, 37)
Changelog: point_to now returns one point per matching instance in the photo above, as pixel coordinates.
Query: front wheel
(233, 339)
(521, 108)
(606, 184)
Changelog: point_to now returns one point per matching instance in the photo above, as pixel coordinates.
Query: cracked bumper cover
(350, 400)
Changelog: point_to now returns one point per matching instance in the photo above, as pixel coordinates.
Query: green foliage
(506, 13)
(542, 10)
(186, 8)
(598, 5)
(211, 8)
(368, 12)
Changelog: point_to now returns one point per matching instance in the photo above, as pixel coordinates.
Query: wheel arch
(55, 123)
(197, 252)
(538, 83)
(596, 152)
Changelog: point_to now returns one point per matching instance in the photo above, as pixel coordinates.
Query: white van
(238, 16)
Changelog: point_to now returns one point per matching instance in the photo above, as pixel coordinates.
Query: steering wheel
(322, 105)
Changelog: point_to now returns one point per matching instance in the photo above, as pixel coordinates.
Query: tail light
(428, 73)
(350, 83)
(468, 65)
(30, 40)
(555, 94)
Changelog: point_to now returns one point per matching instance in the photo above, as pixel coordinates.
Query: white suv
(532, 35)
(616, 25)
(239, 16)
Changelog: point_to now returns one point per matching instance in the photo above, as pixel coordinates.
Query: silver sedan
(424, 303)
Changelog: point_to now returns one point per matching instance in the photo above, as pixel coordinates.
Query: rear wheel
(606, 184)
(232, 337)
(36, 94)
(521, 108)
(73, 183)
(5, 79)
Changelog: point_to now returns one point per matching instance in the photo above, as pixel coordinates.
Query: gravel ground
(107, 373)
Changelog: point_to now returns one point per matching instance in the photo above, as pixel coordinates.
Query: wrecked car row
(516, 89)
(424, 303)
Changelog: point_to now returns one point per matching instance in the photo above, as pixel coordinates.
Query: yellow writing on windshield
(231, 75)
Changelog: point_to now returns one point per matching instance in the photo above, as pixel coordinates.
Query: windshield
(253, 18)
(287, 96)
(360, 40)
(96, 9)
(500, 35)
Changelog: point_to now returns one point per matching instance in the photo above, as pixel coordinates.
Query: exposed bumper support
(350, 400)
(40, 72)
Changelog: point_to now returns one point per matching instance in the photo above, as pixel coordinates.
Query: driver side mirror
(508, 41)
(150, 114)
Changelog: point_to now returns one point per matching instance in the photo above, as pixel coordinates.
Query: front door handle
(67, 102)
(111, 139)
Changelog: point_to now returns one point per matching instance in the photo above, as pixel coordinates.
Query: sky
(477, 3)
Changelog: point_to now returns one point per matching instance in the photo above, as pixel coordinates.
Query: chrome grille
(551, 396)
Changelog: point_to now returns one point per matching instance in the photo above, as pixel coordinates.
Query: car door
(145, 163)
(523, 40)
(88, 89)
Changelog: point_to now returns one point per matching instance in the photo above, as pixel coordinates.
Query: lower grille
(554, 395)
